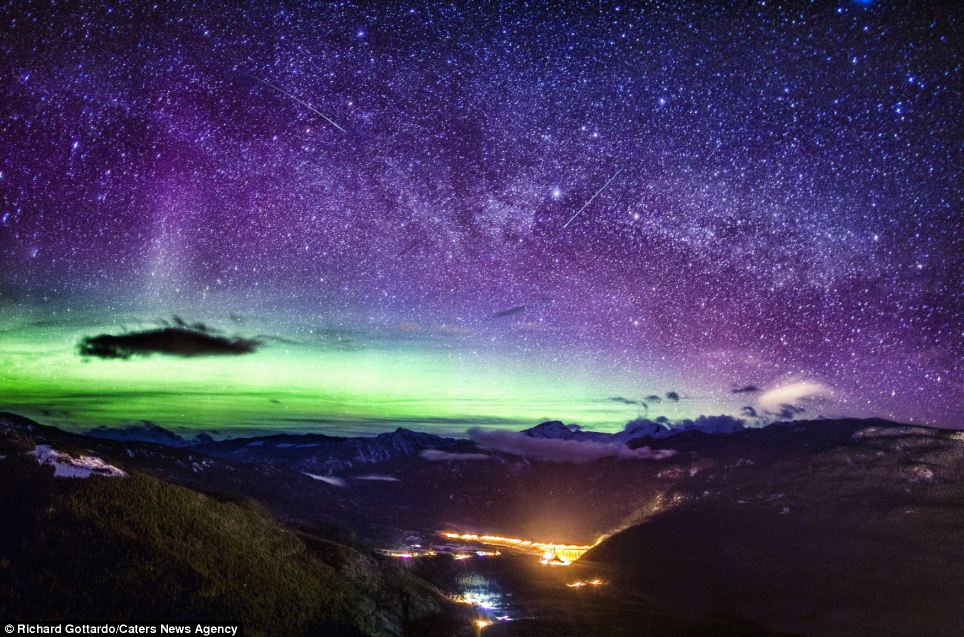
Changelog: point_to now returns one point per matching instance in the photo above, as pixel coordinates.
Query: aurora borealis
(447, 215)
(349, 387)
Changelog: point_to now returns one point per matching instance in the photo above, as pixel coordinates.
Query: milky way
(630, 199)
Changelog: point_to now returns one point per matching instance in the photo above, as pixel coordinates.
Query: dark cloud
(181, 340)
(746, 389)
(509, 311)
(275, 339)
(662, 427)
(721, 424)
(197, 326)
(787, 411)
(749, 411)
(672, 395)
(626, 401)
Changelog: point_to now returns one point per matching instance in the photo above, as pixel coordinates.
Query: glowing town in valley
(550, 554)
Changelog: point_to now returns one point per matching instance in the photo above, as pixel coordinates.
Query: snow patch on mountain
(66, 466)
(332, 480)
(871, 433)
(377, 478)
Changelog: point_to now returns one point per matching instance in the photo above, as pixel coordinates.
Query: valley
(800, 527)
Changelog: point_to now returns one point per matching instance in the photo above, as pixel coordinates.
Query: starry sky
(443, 215)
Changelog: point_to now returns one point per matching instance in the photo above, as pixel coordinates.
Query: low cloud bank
(554, 450)
(437, 455)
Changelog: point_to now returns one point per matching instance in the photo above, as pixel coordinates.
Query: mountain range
(803, 527)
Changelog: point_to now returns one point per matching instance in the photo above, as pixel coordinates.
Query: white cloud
(792, 393)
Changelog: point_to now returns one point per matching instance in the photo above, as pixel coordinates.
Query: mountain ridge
(159, 551)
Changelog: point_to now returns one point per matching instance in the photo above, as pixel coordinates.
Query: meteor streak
(589, 201)
(297, 99)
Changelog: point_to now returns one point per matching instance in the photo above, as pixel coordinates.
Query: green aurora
(301, 384)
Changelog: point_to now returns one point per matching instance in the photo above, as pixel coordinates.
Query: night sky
(444, 215)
